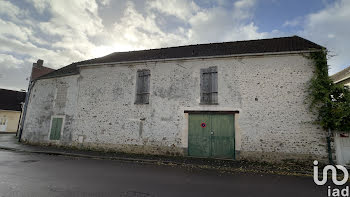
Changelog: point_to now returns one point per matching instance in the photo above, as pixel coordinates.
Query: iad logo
(335, 191)
(334, 174)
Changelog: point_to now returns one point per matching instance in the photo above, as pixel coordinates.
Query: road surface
(23, 174)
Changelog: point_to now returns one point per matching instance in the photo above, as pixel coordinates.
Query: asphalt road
(23, 174)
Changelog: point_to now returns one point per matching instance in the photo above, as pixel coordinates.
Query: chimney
(38, 70)
(39, 63)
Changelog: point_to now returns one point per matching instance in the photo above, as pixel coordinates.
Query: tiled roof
(341, 75)
(283, 44)
(11, 100)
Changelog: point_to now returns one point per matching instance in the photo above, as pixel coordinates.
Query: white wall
(268, 91)
(11, 118)
(42, 106)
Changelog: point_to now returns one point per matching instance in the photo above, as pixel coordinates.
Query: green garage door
(211, 135)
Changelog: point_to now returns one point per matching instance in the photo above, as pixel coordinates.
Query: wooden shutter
(56, 127)
(213, 85)
(142, 86)
(139, 85)
(146, 82)
(209, 85)
(205, 85)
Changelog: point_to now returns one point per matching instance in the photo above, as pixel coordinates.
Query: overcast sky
(64, 31)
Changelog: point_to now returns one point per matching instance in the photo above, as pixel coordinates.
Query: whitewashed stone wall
(45, 103)
(268, 91)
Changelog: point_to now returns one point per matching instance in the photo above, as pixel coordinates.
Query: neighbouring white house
(342, 77)
(341, 139)
(235, 100)
(10, 109)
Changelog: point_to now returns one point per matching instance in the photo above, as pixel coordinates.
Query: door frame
(234, 112)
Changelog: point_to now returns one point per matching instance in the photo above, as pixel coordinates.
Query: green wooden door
(211, 135)
(56, 127)
(222, 137)
(199, 136)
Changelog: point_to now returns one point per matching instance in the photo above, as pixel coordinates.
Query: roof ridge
(208, 43)
(266, 45)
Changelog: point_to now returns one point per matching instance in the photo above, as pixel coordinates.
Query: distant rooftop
(11, 99)
(342, 76)
(272, 45)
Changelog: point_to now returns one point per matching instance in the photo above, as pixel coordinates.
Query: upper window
(142, 86)
(209, 85)
(61, 95)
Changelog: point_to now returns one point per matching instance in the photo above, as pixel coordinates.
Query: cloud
(64, 31)
(182, 9)
(13, 72)
(40, 5)
(330, 28)
(136, 31)
(62, 39)
(243, 9)
(7, 8)
(105, 2)
(220, 22)
(73, 23)
(293, 23)
(9, 61)
(13, 30)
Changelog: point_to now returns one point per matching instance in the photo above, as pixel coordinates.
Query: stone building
(38, 70)
(235, 100)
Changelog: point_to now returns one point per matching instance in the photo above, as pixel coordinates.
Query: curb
(5, 132)
(83, 155)
(163, 162)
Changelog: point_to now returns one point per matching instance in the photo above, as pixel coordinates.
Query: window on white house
(209, 85)
(2, 120)
(142, 86)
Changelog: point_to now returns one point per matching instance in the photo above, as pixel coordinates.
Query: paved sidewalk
(10, 142)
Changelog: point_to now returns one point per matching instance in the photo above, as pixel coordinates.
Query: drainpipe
(20, 118)
(25, 110)
(330, 159)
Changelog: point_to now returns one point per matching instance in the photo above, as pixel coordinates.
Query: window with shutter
(209, 85)
(142, 86)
